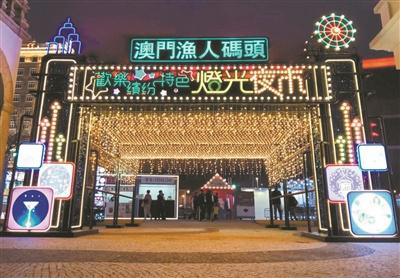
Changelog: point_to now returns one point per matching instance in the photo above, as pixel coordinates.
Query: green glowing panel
(199, 50)
(335, 31)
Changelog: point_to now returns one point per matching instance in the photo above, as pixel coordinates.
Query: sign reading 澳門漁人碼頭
(198, 50)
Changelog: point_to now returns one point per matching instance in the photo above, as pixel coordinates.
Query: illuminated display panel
(168, 184)
(60, 177)
(371, 213)
(30, 156)
(335, 31)
(198, 50)
(196, 83)
(372, 157)
(31, 209)
(342, 179)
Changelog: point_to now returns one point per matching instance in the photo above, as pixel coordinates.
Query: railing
(287, 211)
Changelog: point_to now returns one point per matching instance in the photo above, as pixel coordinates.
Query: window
(26, 124)
(32, 85)
(33, 71)
(29, 98)
(12, 124)
(19, 85)
(20, 71)
(28, 111)
(17, 97)
(34, 60)
(22, 59)
(14, 114)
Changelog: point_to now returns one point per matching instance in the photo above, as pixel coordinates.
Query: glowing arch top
(335, 31)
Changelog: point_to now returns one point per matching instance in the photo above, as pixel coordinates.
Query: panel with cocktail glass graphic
(31, 209)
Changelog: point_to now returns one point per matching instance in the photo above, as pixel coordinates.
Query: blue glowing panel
(342, 179)
(371, 213)
(372, 157)
(30, 156)
(67, 40)
(31, 209)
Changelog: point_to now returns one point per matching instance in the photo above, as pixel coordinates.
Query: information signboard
(371, 213)
(60, 177)
(30, 155)
(198, 50)
(372, 157)
(342, 179)
(31, 209)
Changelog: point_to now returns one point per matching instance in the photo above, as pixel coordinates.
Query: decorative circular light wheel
(335, 31)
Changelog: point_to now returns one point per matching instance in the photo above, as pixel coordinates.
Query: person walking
(276, 203)
(292, 204)
(161, 205)
(147, 205)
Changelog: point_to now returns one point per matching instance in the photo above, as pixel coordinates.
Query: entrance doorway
(249, 146)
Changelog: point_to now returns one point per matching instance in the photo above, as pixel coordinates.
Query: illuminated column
(356, 125)
(55, 107)
(341, 142)
(60, 140)
(44, 125)
(345, 108)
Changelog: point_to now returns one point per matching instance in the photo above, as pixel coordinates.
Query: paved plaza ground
(194, 249)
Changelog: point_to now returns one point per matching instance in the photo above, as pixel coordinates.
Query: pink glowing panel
(31, 209)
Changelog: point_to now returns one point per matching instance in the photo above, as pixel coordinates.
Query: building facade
(388, 38)
(27, 79)
(13, 26)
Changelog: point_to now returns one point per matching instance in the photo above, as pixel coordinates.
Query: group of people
(277, 208)
(160, 207)
(205, 205)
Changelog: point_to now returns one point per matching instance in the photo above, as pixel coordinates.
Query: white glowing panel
(342, 179)
(60, 177)
(371, 213)
(372, 157)
(30, 156)
(31, 209)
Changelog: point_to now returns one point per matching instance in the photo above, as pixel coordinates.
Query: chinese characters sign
(182, 50)
(113, 83)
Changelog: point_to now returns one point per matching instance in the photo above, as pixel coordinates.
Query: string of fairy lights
(230, 141)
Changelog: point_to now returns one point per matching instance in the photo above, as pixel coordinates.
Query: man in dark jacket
(209, 204)
(276, 203)
(161, 205)
(202, 204)
(195, 201)
(292, 204)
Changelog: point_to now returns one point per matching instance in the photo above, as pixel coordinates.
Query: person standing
(161, 205)
(147, 205)
(195, 206)
(292, 203)
(209, 204)
(202, 204)
(276, 202)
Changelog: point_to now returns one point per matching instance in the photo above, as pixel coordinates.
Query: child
(216, 211)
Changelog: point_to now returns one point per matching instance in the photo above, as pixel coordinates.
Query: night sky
(105, 26)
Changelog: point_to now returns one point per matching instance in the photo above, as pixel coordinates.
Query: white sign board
(30, 156)
(341, 179)
(371, 213)
(372, 157)
(60, 177)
